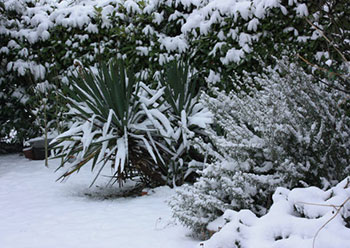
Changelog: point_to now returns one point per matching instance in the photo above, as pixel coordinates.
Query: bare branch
(328, 40)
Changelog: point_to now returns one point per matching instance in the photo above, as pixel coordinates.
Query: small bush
(138, 131)
(112, 124)
(293, 132)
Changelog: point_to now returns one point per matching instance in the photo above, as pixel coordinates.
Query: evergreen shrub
(119, 122)
(293, 132)
(40, 40)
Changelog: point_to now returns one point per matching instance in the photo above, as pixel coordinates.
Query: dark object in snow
(36, 149)
(28, 152)
(38, 153)
(112, 193)
(34, 153)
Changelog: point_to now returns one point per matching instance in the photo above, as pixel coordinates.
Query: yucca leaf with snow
(188, 116)
(179, 90)
(110, 111)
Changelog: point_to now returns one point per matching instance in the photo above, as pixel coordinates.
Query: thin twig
(327, 39)
(319, 230)
(340, 76)
(319, 67)
(332, 86)
(317, 204)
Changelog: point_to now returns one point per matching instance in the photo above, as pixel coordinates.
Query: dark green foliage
(123, 35)
(181, 92)
(111, 125)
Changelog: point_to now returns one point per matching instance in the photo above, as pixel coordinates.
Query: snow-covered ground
(37, 212)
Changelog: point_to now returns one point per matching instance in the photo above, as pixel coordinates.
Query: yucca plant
(185, 112)
(113, 125)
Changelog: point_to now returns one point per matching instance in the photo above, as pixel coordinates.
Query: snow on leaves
(37, 22)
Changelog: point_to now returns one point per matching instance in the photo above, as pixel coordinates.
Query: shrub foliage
(39, 40)
(120, 122)
(293, 132)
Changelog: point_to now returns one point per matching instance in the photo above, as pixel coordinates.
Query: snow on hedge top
(251, 11)
(297, 218)
(45, 14)
(215, 11)
(37, 23)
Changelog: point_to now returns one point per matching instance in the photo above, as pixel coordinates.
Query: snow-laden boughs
(293, 132)
(302, 217)
(39, 40)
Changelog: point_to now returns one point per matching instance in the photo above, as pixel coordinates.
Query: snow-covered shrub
(292, 132)
(222, 36)
(121, 122)
(301, 217)
(40, 39)
(187, 115)
(15, 101)
(113, 124)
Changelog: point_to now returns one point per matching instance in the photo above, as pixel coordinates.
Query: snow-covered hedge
(40, 34)
(301, 217)
(293, 132)
(39, 40)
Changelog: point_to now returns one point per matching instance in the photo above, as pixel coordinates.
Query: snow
(131, 6)
(253, 24)
(213, 77)
(302, 10)
(37, 212)
(91, 28)
(177, 43)
(121, 153)
(295, 219)
(200, 116)
(234, 55)
(158, 18)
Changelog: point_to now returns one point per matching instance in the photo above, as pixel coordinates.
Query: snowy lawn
(36, 211)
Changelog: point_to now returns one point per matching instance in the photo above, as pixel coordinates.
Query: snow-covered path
(37, 212)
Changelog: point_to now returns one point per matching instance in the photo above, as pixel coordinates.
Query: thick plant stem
(46, 131)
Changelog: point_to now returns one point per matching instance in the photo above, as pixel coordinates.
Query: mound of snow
(302, 217)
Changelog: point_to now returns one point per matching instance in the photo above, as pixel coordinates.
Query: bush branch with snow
(301, 217)
(293, 132)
